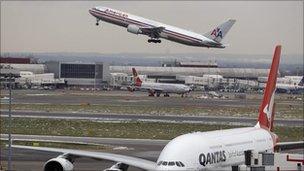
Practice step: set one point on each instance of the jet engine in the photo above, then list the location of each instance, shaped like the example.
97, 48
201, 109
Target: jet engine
133, 29
58, 164
118, 167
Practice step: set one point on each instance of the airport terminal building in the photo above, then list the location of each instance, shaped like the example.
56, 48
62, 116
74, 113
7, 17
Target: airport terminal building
172, 72
55, 74
78, 74
99, 74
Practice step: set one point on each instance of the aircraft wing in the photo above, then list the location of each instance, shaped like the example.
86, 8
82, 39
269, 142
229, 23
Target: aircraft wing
132, 161
289, 145
152, 31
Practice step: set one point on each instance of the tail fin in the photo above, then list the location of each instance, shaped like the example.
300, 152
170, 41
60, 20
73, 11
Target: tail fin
218, 33
301, 83
137, 80
266, 114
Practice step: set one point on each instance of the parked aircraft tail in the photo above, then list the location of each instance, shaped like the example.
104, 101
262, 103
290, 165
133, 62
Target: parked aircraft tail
266, 110
301, 83
218, 33
137, 80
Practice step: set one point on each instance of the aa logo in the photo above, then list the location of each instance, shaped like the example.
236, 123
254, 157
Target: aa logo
217, 33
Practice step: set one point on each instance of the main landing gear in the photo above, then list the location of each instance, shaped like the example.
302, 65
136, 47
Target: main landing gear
154, 41
97, 22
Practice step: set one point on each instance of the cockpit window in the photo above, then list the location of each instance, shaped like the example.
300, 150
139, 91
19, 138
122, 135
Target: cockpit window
182, 164
165, 163
159, 163
171, 164
178, 164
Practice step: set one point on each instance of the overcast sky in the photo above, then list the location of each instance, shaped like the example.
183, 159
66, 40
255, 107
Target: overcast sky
66, 26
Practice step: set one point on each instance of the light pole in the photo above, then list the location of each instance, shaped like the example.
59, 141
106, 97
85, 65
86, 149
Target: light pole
9, 124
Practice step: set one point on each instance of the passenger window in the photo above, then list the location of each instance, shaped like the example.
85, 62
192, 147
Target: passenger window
164, 163
178, 164
171, 164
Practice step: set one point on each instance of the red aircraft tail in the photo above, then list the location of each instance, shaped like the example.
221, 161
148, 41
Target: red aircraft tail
266, 110
137, 80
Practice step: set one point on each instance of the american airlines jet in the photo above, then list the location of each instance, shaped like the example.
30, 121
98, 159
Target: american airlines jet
212, 150
159, 88
156, 30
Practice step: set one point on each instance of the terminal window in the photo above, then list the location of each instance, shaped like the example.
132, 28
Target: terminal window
77, 71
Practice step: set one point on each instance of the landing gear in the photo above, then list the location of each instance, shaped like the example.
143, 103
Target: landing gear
157, 94
166, 95
151, 94
184, 95
97, 22
154, 41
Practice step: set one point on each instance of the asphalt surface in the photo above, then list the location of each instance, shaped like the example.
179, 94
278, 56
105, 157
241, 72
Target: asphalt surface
133, 98
30, 160
150, 118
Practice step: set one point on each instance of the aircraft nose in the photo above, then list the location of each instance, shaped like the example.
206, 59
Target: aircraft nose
91, 11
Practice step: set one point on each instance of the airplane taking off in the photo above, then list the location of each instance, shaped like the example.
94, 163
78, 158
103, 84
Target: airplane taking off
211, 150
156, 30
159, 88
291, 88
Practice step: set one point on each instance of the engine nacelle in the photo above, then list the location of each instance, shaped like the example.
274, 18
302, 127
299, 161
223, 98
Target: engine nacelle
133, 29
118, 167
58, 164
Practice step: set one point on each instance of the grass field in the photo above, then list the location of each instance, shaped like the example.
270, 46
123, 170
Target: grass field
139, 130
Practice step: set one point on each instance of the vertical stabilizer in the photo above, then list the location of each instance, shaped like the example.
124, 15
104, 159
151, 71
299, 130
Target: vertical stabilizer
137, 80
266, 111
301, 83
218, 33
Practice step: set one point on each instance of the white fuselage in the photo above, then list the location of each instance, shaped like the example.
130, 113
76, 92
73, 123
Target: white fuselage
289, 87
165, 87
214, 150
170, 32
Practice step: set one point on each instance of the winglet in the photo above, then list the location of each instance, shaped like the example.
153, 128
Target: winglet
137, 80
266, 114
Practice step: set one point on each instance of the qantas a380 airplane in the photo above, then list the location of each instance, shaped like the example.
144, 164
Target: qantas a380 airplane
212, 150
156, 30
159, 88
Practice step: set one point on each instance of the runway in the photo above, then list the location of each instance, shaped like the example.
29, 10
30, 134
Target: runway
150, 118
134, 98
